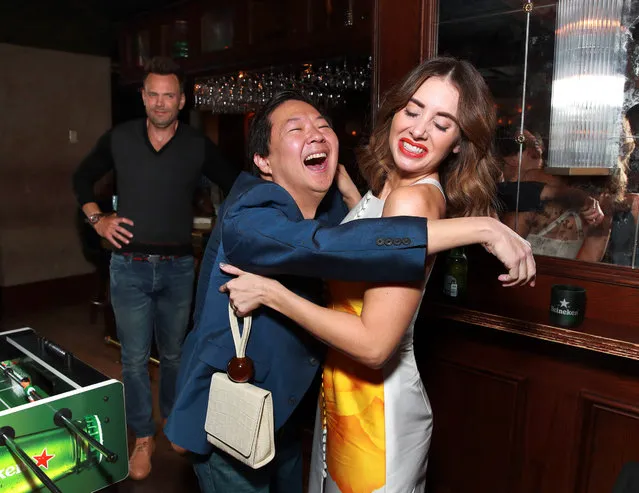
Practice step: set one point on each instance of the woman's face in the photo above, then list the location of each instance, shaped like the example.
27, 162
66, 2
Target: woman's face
426, 129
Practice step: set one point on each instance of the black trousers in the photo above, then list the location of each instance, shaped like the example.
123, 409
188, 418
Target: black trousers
628, 479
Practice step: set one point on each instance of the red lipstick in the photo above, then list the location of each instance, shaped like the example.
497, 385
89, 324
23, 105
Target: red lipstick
409, 153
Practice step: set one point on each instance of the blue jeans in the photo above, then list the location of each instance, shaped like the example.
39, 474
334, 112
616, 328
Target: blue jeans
221, 473
150, 297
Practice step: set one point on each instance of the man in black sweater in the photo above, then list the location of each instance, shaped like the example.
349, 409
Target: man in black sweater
157, 163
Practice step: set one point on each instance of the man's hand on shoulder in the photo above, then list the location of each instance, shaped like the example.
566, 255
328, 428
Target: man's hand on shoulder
110, 227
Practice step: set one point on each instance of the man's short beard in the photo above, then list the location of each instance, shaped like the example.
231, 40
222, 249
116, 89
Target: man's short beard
162, 124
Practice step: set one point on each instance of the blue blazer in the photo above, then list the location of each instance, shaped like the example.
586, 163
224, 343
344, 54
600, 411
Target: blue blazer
261, 230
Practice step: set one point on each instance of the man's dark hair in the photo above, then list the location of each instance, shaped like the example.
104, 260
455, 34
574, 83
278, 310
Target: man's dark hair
160, 65
259, 136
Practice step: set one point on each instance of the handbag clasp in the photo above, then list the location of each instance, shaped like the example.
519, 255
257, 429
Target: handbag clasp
240, 370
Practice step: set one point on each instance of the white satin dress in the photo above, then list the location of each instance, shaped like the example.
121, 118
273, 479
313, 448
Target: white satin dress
373, 426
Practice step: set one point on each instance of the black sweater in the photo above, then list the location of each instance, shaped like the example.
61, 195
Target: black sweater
155, 188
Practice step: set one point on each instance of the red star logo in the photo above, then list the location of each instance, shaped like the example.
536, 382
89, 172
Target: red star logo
43, 459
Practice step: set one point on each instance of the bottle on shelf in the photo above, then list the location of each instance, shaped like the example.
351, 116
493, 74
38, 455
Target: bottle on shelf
455, 278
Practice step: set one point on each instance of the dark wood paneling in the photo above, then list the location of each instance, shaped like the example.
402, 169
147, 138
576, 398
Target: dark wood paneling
609, 438
397, 39
589, 271
572, 412
266, 33
25, 298
404, 34
584, 337
430, 23
267, 22
486, 437
611, 321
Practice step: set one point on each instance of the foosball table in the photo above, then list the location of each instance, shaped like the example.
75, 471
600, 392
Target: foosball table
62, 423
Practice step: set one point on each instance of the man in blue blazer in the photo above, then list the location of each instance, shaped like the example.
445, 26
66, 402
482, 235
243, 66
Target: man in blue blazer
279, 225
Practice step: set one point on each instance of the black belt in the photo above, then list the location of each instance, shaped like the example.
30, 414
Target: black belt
145, 257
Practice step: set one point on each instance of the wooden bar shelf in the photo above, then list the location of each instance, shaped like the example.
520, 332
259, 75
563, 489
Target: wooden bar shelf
581, 337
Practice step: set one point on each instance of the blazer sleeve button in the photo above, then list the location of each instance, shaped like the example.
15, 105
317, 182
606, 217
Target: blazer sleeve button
406, 241
380, 242
388, 242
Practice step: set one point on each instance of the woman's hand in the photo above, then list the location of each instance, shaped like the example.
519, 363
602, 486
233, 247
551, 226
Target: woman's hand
347, 187
247, 291
591, 212
514, 252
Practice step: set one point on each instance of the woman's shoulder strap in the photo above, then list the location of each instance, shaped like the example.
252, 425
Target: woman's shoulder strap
431, 181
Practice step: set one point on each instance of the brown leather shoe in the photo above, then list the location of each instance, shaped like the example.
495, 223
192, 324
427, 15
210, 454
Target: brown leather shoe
140, 461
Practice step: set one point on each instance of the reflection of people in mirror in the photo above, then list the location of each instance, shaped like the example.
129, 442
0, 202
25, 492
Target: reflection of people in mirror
614, 241
559, 223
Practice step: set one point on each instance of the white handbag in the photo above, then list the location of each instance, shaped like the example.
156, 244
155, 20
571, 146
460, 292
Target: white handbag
239, 418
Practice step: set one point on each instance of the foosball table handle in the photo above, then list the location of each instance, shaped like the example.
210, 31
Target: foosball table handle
7, 434
51, 348
63, 418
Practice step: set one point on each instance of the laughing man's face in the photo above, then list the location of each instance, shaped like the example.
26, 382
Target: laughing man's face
303, 150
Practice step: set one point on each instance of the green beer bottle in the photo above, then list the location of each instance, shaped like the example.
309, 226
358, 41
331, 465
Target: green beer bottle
456, 274
57, 452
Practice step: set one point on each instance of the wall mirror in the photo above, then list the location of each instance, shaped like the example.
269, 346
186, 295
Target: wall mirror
564, 75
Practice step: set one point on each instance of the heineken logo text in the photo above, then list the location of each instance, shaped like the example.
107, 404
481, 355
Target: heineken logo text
564, 309
41, 460
559, 311
7, 472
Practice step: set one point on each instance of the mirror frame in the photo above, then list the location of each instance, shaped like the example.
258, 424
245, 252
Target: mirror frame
617, 275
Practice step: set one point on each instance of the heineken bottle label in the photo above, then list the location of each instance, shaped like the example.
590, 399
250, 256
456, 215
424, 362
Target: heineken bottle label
450, 286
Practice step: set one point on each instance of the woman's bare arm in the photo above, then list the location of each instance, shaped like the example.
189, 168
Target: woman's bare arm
387, 310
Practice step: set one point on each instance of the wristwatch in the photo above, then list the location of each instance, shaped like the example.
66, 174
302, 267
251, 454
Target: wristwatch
94, 218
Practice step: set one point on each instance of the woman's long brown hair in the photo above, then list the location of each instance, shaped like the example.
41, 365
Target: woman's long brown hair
470, 176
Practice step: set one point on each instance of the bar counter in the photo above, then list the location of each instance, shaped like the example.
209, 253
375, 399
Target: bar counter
520, 405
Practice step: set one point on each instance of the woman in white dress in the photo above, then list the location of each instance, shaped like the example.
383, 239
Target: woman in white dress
374, 419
